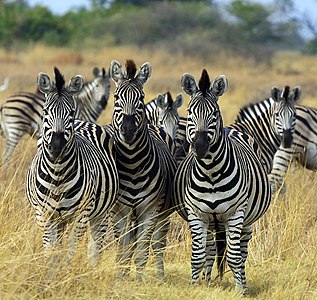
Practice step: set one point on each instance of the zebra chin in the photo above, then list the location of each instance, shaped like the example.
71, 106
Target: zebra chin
287, 138
128, 138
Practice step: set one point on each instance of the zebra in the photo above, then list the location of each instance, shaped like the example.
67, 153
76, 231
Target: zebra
221, 181
162, 112
271, 122
21, 113
303, 149
146, 170
72, 178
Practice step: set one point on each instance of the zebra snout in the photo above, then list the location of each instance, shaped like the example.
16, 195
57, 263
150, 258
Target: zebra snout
287, 138
128, 128
200, 144
57, 144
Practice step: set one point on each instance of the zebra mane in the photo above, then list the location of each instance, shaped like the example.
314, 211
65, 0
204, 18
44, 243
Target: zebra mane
131, 68
204, 82
285, 93
169, 99
59, 81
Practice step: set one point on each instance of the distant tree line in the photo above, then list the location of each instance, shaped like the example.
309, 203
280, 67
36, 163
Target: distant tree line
196, 27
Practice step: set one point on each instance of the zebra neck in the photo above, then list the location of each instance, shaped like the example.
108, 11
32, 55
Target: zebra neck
219, 152
68, 160
139, 148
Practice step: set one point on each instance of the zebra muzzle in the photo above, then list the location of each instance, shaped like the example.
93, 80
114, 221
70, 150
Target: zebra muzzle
128, 128
57, 144
287, 138
200, 144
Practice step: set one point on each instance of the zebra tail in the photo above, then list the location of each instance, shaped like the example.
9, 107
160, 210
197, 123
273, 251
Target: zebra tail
220, 249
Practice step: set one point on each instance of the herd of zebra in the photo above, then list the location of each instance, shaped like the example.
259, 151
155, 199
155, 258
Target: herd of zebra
150, 163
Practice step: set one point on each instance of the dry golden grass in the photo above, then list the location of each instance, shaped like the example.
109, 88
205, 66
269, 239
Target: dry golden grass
282, 263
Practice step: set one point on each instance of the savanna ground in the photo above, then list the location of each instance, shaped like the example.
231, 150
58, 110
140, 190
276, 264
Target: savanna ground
282, 263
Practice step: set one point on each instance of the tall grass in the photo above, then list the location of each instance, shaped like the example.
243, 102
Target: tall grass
282, 261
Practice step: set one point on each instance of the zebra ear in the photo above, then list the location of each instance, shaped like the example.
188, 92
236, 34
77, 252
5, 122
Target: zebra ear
116, 71
188, 84
161, 101
75, 84
178, 101
220, 85
44, 83
297, 93
96, 72
275, 93
144, 73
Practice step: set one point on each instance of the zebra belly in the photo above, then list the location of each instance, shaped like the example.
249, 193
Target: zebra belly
215, 203
309, 158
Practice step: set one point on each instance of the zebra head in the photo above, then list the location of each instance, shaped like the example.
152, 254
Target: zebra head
101, 83
168, 117
284, 113
58, 111
129, 115
204, 121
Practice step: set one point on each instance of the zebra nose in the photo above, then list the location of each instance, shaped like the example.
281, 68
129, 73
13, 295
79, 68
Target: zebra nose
200, 144
57, 144
287, 138
128, 125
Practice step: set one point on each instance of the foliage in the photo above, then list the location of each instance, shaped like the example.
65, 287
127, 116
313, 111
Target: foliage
198, 27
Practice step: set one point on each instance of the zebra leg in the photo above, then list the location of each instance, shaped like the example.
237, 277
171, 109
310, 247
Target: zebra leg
210, 255
198, 231
144, 234
246, 237
79, 228
159, 243
98, 229
125, 235
51, 239
281, 162
234, 257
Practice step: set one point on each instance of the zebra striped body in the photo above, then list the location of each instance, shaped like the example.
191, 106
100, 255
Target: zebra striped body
21, 113
271, 122
72, 178
303, 149
221, 181
145, 165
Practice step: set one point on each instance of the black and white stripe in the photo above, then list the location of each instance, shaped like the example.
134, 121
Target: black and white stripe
145, 165
271, 122
221, 181
303, 149
72, 178
162, 112
21, 113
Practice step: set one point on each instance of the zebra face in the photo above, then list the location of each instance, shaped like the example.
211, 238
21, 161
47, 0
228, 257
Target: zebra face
101, 85
168, 117
204, 121
284, 116
128, 115
58, 112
